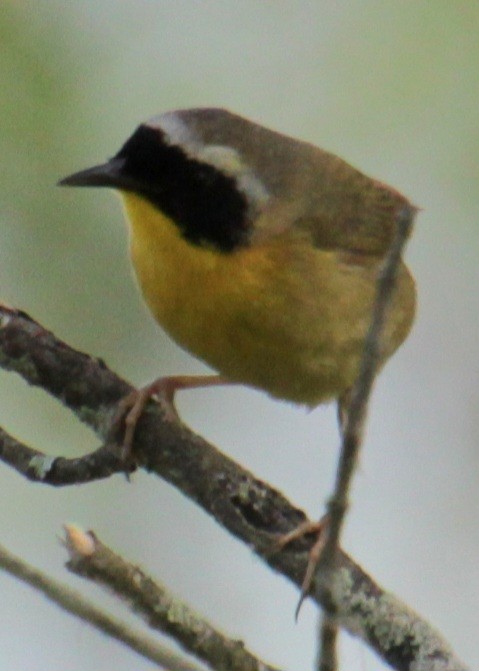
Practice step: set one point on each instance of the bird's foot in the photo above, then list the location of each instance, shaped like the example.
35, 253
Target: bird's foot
132, 406
319, 529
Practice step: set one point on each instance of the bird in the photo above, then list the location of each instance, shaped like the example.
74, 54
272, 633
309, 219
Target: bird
257, 253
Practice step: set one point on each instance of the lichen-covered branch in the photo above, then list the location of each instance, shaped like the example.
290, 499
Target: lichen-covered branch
246, 506
47, 469
77, 605
91, 559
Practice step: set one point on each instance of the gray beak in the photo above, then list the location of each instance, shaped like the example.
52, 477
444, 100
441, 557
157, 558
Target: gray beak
107, 175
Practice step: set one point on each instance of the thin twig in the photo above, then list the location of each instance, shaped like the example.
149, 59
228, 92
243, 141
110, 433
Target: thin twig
91, 559
353, 429
58, 471
76, 605
327, 649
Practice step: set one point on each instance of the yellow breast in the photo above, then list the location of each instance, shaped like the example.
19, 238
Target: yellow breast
279, 315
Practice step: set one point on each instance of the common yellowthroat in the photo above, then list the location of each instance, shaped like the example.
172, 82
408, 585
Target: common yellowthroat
256, 252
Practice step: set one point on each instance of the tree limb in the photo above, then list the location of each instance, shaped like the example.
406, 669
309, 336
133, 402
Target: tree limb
246, 506
90, 558
77, 605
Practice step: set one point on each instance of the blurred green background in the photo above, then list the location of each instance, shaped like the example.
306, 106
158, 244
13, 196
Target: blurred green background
391, 86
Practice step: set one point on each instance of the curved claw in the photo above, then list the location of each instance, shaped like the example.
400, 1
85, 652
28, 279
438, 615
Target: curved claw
307, 527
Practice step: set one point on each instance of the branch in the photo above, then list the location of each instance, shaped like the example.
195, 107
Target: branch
90, 558
352, 433
246, 506
353, 428
328, 637
75, 604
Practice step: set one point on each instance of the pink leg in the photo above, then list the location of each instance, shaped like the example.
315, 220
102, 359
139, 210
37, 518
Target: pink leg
164, 388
